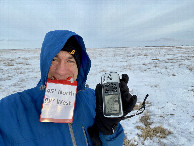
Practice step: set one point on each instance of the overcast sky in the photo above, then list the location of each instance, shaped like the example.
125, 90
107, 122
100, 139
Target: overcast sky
101, 23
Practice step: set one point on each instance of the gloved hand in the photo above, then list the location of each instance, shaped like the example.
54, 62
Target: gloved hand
108, 125
128, 100
102, 124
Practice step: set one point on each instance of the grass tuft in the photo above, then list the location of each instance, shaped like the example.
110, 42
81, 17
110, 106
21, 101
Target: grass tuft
148, 132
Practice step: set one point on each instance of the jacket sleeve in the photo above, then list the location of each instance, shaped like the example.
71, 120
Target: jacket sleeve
1, 140
115, 139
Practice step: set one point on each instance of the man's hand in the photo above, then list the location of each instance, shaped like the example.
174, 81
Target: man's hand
105, 125
108, 125
128, 100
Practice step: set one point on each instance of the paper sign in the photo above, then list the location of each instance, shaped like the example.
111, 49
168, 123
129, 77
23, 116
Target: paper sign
59, 101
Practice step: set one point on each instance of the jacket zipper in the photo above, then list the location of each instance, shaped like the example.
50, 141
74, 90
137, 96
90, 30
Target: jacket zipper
85, 135
72, 134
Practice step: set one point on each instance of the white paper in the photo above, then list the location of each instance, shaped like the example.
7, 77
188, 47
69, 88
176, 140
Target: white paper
59, 101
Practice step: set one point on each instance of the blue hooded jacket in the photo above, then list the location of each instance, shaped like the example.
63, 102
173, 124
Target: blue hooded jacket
20, 112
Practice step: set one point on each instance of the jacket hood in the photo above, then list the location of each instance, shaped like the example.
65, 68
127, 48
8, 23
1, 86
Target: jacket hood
52, 45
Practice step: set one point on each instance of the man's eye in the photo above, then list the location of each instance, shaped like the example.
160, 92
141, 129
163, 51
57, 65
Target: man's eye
54, 59
71, 61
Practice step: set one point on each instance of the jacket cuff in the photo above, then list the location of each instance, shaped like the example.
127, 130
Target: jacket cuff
116, 138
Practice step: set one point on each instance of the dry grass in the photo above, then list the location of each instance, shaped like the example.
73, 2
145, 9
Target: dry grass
128, 142
8, 64
148, 132
173, 74
191, 68
155, 59
144, 120
103, 70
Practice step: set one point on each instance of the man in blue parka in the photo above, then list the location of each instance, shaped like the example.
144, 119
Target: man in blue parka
20, 113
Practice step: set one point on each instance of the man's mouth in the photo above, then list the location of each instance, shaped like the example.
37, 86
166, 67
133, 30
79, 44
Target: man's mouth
52, 78
68, 78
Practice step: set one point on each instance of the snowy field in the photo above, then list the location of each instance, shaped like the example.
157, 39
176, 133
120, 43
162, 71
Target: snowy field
165, 73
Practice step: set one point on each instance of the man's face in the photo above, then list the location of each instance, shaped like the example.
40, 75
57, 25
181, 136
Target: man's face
63, 66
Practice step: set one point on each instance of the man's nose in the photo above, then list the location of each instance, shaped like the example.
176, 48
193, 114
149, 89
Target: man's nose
62, 68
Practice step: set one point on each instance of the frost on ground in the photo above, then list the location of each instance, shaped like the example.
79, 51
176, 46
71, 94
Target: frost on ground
165, 73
